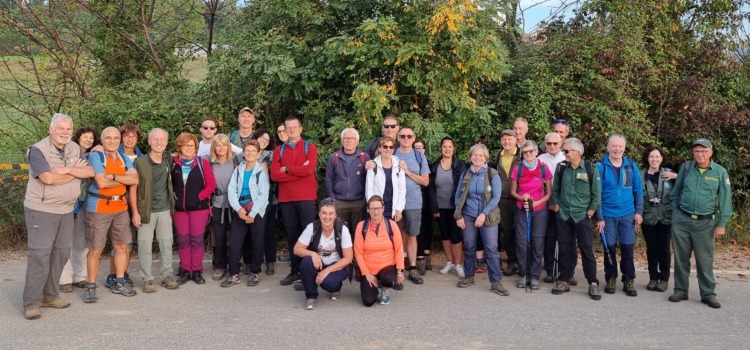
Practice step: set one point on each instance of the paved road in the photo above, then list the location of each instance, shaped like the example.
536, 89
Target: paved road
433, 315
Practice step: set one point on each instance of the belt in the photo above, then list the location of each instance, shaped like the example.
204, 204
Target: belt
700, 217
108, 198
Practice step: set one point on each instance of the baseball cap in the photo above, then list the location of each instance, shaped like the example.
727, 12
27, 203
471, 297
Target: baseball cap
703, 142
508, 132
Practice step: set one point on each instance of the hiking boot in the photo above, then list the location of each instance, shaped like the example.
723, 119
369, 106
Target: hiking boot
651, 285
428, 263
336, 295
270, 269
447, 268
512, 269
290, 279
385, 297
479, 266
183, 277
169, 282
594, 291
231, 280
198, 277
572, 281
629, 288
218, 274
710, 301
32, 313
465, 282
661, 286
310, 304
415, 277
460, 271
610, 287
398, 286
128, 281
89, 296
66, 288
421, 266
56, 303
678, 297
253, 280
561, 287
534, 284
521, 282
80, 284
110, 281
497, 288
548, 279
298, 286
124, 289
149, 287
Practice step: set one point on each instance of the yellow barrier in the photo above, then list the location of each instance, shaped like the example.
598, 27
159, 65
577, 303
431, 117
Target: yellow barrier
16, 178
13, 166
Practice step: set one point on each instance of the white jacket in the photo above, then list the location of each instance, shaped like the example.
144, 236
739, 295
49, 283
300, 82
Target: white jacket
376, 183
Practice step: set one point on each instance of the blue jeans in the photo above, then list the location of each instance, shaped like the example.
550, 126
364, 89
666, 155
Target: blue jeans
491, 255
332, 283
620, 229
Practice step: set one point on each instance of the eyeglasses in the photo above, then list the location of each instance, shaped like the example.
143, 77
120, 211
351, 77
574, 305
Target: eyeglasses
561, 121
701, 151
292, 127
531, 151
376, 208
418, 147
208, 127
387, 147
552, 143
390, 126
405, 137
349, 139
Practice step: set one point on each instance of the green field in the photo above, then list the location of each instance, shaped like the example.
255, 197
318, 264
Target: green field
14, 138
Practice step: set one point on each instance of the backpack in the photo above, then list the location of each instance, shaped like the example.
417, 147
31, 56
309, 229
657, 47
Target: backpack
494, 217
589, 171
336, 159
283, 146
103, 159
631, 165
388, 228
520, 173
338, 229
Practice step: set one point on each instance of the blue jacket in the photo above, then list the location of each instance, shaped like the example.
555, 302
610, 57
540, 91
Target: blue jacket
258, 189
621, 198
476, 189
345, 180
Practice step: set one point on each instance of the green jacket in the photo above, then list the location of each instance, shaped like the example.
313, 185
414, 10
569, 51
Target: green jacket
703, 194
575, 192
146, 185
657, 206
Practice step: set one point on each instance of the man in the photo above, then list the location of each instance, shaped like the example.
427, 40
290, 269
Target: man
208, 130
417, 172
55, 170
246, 119
621, 210
520, 128
293, 167
152, 205
562, 128
107, 213
577, 195
345, 179
552, 158
507, 160
388, 128
702, 206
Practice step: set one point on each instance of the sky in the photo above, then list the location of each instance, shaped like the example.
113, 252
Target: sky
535, 11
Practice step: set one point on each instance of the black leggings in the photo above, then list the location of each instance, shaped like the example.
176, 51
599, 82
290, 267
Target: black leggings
386, 277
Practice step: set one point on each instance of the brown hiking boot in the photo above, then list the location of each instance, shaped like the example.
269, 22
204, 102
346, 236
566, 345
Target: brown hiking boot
32, 313
56, 303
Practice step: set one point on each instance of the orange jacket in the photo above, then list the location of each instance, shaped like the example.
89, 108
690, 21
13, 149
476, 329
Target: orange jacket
377, 251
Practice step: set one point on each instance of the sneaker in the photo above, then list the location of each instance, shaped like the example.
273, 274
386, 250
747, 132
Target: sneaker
460, 271
198, 277
169, 282
651, 285
661, 286
253, 280
128, 281
57, 303
231, 280
594, 291
398, 286
149, 287
447, 268
66, 288
521, 282
572, 281
610, 287
110, 281
415, 277
89, 296
270, 269
336, 295
290, 279
32, 313
421, 266
80, 284
710, 301
534, 284
298, 286
428, 263
678, 297
465, 282
218, 274
629, 288
385, 297
310, 304
479, 266
512, 269
380, 294
183, 277
124, 289
561, 287
549, 279
497, 288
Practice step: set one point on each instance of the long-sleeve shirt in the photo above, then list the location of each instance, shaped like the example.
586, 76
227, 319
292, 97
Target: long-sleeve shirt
377, 251
298, 183
576, 193
704, 193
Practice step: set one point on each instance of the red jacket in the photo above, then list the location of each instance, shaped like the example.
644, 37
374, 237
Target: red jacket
298, 183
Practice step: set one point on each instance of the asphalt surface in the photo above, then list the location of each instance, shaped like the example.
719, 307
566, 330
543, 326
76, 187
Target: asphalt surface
433, 315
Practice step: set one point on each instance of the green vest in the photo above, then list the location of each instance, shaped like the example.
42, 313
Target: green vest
657, 206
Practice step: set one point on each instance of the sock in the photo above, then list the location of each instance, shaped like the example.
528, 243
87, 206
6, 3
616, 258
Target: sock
120, 279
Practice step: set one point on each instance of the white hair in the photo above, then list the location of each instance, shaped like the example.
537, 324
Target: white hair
155, 130
575, 145
59, 117
350, 130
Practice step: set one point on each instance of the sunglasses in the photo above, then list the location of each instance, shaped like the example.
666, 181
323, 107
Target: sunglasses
566, 151
406, 136
387, 147
561, 121
208, 127
552, 143
390, 126
531, 151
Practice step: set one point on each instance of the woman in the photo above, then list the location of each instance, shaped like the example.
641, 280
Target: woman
387, 180
445, 175
325, 247
220, 155
193, 182
248, 196
267, 145
379, 252
477, 213
74, 271
534, 187
657, 217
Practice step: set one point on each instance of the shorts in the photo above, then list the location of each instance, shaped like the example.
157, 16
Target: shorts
101, 225
411, 222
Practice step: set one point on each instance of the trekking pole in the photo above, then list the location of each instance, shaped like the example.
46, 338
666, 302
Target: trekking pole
530, 207
606, 248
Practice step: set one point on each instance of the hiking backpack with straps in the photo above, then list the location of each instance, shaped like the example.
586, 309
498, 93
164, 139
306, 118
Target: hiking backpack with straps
519, 173
283, 146
589, 172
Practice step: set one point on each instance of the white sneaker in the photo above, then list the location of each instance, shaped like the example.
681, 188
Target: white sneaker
460, 271
448, 267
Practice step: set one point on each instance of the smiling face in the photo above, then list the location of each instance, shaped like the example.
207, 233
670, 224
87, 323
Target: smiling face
250, 153
561, 129
246, 119
110, 139
222, 149
570, 155
553, 143
655, 159
478, 159
529, 153
508, 142
158, 141
129, 140
702, 156
350, 142
386, 149
520, 127
61, 133
447, 149
86, 141
281, 132
406, 137
327, 216
375, 209
389, 127
616, 148
187, 150
264, 140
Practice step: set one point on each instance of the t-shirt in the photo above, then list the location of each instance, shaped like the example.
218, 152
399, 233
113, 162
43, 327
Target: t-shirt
531, 183
327, 245
388, 192
161, 192
115, 164
413, 189
204, 149
444, 188
245, 196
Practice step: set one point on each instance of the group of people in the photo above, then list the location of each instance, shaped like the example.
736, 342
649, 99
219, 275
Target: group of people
375, 225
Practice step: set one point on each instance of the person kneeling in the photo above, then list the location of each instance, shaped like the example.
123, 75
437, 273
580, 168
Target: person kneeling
325, 247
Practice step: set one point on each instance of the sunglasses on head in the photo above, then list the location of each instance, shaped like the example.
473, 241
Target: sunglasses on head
389, 126
561, 121
208, 127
